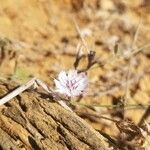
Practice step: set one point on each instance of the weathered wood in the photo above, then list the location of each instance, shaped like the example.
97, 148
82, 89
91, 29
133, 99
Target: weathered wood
33, 121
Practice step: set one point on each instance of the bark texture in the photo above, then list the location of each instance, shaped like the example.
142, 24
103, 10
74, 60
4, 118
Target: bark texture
33, 121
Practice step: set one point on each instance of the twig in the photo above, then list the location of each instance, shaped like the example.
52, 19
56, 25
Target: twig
78, 56
137, 50
130, 64
82, 39
17, 91
111, 140
127, 56
129, 106
145, 116
33, 82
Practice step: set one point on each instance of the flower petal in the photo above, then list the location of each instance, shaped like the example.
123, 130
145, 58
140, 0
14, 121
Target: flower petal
62, 77
72, 74
71, 83
58, 84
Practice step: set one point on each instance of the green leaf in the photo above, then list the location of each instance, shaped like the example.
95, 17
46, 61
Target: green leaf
20, 74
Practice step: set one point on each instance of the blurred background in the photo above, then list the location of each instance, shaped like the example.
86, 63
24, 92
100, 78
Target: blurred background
39, 38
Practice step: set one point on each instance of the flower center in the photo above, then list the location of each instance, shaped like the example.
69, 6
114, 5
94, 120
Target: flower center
71, 84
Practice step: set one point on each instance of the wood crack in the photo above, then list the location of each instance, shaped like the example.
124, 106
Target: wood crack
32, 122
73, 132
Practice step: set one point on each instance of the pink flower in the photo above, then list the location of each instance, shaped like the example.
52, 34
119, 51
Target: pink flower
71, 83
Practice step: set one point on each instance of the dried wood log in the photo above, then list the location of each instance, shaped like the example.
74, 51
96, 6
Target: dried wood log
33, 121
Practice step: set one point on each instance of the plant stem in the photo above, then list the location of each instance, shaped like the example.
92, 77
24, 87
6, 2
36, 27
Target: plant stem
112, 106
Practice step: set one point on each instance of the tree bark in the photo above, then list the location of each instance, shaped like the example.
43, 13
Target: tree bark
33, 121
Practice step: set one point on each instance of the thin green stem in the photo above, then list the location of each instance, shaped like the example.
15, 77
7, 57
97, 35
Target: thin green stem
112, 106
